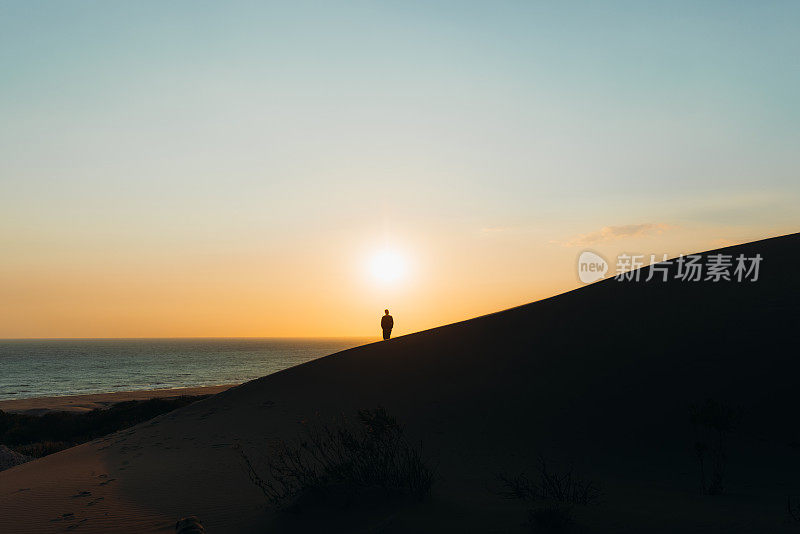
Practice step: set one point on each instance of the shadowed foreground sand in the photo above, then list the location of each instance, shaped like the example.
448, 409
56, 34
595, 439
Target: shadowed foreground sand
601, 377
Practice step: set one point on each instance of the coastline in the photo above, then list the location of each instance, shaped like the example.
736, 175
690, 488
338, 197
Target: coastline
92, 401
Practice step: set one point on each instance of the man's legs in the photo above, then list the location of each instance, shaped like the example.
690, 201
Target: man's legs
386, 333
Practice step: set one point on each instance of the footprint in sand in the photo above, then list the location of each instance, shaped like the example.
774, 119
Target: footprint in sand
106, 482
76, 525
97, 500
82, 494
69, 516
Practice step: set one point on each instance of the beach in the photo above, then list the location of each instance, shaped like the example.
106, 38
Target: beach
86, 403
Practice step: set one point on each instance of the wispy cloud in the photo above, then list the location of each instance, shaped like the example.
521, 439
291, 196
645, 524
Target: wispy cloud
612, 233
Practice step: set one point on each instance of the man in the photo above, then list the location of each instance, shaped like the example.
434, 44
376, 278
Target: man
387, 323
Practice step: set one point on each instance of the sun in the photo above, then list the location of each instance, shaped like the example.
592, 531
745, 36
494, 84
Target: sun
387, 266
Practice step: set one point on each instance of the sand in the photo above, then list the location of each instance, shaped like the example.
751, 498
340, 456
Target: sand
86, 403
600, 378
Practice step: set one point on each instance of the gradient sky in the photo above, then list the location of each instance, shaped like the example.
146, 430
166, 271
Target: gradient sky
228, 169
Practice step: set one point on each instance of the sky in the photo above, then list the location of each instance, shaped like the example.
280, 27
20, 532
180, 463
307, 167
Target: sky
206, 169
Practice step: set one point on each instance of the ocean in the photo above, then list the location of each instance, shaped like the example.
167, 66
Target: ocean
50, 367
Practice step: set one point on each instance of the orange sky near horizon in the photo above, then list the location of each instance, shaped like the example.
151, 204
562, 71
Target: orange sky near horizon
319, 291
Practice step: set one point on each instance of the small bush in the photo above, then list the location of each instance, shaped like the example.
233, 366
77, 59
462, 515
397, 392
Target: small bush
713, 422
345, 462
793, 507
564, 486
517, 486
553, 495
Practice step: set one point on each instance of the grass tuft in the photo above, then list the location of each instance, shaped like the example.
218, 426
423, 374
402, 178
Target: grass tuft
344, 463
552, 495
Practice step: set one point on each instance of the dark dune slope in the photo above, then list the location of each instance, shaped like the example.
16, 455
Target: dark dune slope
602, 376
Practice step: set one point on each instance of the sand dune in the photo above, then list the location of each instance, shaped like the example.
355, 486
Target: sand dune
601, 377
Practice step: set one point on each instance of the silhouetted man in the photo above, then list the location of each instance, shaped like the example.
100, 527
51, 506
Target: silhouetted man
387, 323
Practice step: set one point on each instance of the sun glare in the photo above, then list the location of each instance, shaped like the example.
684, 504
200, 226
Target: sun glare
387, 266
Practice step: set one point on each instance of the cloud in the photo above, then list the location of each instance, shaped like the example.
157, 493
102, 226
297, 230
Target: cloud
612, 233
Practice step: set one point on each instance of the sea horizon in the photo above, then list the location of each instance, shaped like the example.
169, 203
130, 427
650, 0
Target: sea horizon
55, 367
3, 339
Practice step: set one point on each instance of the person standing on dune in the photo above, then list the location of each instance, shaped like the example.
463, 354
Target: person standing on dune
387, 323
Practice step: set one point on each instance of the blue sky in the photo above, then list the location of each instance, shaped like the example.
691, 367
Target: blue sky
160, 131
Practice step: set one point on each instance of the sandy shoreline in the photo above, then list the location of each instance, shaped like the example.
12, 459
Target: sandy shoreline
85, 403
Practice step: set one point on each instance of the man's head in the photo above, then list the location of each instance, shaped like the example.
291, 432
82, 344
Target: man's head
387, 312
